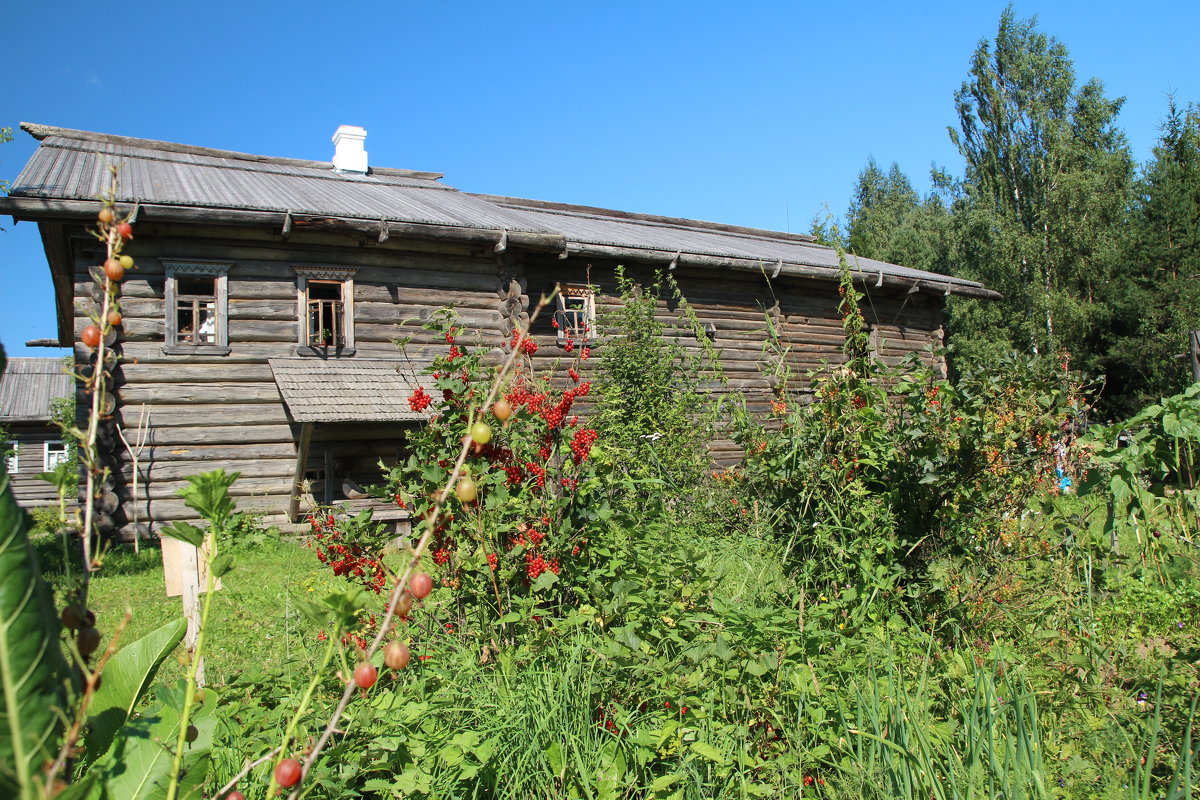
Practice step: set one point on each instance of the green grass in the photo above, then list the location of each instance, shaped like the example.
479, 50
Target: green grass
256, 627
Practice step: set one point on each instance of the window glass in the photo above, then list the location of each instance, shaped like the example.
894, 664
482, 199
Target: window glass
56, 453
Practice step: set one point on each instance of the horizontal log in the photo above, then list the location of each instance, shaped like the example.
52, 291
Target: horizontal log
223, 434
181, 372
182, 415
159, 454
161, 471
207, 393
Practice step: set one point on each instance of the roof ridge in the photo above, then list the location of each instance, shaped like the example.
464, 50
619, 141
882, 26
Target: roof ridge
654, 219
41, 132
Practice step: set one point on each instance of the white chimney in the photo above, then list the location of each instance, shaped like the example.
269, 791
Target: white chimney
348, 152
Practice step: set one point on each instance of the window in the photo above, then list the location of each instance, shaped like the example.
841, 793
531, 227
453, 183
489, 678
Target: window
325, 297
53, 454
576, 315
197, 303
13, 460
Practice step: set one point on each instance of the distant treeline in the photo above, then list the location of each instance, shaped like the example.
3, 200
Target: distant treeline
1098, 260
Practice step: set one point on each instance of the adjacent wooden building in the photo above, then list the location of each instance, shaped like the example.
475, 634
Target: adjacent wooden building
28, 389
259, 323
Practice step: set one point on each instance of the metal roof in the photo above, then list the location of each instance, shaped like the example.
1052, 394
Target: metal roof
71, 166
619, 229
29, 384
346, 391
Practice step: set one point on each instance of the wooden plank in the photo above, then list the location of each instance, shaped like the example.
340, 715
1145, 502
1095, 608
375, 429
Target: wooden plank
206, 393
223, 434
302, 446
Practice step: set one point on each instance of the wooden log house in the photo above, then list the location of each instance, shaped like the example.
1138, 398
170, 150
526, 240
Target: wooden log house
259, 324
28, 389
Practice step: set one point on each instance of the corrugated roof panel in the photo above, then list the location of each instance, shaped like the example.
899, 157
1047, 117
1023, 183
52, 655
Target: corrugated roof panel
29, 384
70, 168
69, 165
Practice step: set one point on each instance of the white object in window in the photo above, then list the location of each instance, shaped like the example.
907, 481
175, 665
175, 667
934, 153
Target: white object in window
53, 454
197, 306
576, 315
13, 462
325, 306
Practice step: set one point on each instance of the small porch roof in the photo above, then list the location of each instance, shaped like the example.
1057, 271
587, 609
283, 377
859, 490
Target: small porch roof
347, 391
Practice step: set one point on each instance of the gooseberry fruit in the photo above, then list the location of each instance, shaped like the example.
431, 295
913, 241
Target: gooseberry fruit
502, 410
90, 336
287, 774
192, 733
105, 215
114, 318
113, 269
404, 604
466, 489
396, 655
87, 640
125, 230
126, 262
481, 433
365, 676
420, 585
235, 795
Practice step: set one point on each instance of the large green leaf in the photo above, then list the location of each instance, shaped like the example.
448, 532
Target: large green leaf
126, 678
138, 765
33, 672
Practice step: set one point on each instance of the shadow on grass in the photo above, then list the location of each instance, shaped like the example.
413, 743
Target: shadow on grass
57, 551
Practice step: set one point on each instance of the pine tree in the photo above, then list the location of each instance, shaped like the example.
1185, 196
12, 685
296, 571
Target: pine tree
888, 221
1159, 297
1043, 198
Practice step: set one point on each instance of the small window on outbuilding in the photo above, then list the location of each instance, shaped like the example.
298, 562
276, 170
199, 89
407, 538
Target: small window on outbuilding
54, 453
325, 297
12, 461
197, 303
576, 315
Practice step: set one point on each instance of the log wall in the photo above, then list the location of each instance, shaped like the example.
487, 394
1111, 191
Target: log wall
208, 411
29, 490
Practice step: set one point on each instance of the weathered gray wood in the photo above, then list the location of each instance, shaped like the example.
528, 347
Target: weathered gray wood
221, 434
207, 393
302, 447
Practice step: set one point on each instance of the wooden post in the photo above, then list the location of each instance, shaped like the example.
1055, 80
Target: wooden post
185, 571
301, 465
1194, 354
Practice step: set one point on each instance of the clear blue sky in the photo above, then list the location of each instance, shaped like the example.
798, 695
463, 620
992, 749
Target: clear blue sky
754, 113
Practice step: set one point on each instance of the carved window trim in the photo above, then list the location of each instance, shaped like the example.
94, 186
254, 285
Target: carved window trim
324, 275
219, 271
575, 317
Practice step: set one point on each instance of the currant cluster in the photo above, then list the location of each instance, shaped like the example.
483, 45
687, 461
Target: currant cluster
419, 400
347, 559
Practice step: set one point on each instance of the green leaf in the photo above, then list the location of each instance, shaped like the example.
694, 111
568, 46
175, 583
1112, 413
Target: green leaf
208, 495
184, 532
33, 672
126, 678
138, 766
708, 751
665, 781
222, 564
544, 582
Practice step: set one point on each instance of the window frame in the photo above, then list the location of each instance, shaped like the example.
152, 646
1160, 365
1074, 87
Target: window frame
65, 454
324, 275
573, 292
12, 462
219, 272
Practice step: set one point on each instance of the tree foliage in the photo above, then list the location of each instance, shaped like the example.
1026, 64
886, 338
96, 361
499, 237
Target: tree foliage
1158, 300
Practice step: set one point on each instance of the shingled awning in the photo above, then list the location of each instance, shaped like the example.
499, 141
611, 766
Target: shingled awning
347, 391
